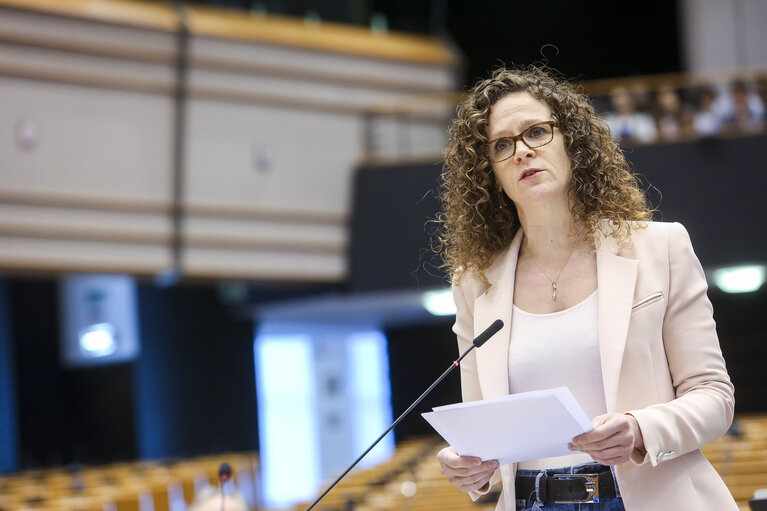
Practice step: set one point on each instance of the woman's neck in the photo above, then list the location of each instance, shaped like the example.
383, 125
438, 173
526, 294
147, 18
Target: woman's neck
548, 233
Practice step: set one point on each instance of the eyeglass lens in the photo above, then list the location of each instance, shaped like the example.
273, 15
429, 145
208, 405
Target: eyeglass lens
534, 136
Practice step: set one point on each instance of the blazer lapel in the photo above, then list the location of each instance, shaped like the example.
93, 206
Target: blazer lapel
493, 356
616, 278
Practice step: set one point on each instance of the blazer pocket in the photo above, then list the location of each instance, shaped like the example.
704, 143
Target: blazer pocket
647, 301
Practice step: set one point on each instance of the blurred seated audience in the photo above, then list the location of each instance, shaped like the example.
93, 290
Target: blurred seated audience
736, 109
626, 123
760, 84
744, 113
669, 116
643, 99
706, 122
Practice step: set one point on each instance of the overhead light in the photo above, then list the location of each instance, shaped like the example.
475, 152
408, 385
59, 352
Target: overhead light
98, 340
740, 279
439, 303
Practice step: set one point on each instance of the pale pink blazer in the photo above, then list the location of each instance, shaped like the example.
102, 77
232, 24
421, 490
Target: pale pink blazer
661, 361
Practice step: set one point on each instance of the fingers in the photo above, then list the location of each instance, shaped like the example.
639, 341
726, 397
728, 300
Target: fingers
465, 472
452, 459
610, 443
620, 452
619, 439
474, 481
614, 457
604, 426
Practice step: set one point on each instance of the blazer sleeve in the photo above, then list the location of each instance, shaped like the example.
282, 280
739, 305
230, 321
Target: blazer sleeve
464, 330
703, 408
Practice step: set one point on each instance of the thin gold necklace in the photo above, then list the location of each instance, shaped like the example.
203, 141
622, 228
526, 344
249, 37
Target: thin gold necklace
554, 281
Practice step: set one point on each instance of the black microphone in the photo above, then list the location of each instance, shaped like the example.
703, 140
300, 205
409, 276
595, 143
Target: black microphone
224, 474
476, 343
487, 334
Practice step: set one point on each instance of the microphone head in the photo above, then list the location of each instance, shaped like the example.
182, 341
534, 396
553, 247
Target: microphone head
488, 333
225, 472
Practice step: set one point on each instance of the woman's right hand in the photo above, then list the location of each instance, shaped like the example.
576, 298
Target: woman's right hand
467, 473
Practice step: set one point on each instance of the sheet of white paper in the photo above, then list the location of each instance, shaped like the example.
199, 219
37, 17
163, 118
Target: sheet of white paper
517, 427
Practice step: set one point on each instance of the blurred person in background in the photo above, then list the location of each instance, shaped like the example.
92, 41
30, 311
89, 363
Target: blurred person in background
746, 111
669, 116
706, 122
627, 124
545, 227
209, 499
641, 96
760, 84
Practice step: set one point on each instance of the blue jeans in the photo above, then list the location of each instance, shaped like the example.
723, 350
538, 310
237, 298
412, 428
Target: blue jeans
606, 503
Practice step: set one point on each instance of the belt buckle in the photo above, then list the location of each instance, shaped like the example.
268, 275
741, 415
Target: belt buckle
592, 487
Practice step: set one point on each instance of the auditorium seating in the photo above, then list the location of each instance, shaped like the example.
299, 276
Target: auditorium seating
741, 458
411, 480
132, 486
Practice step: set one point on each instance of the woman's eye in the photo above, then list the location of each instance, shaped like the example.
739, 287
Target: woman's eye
536, 132
501, 145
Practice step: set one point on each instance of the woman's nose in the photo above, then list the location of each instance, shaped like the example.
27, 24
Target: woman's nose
522, 152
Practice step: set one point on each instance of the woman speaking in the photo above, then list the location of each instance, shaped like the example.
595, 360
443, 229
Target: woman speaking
545, 227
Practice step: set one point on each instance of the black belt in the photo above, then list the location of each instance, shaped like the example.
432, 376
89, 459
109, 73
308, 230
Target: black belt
586, 487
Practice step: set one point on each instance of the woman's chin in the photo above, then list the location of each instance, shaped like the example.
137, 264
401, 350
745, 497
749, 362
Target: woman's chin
542, 195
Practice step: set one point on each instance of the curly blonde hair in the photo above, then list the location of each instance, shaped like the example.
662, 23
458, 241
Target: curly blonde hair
478, 220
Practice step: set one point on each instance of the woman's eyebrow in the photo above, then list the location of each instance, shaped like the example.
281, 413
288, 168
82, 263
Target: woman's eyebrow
526, 123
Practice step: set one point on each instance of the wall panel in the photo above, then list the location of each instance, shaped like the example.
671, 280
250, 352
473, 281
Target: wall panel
271, 129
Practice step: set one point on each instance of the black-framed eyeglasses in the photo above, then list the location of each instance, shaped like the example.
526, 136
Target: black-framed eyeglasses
534, 136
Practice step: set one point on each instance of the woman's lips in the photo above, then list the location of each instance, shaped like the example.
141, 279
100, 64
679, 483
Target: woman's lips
530, 173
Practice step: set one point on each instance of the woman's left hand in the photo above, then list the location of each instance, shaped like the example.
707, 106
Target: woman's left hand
612, 440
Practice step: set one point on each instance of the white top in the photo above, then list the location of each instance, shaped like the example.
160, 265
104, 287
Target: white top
558, 349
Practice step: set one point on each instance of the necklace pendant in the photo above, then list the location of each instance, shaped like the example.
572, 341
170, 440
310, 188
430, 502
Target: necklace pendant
553, 291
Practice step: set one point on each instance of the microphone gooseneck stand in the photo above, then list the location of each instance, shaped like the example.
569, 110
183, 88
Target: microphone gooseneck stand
476, 343
224, 474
